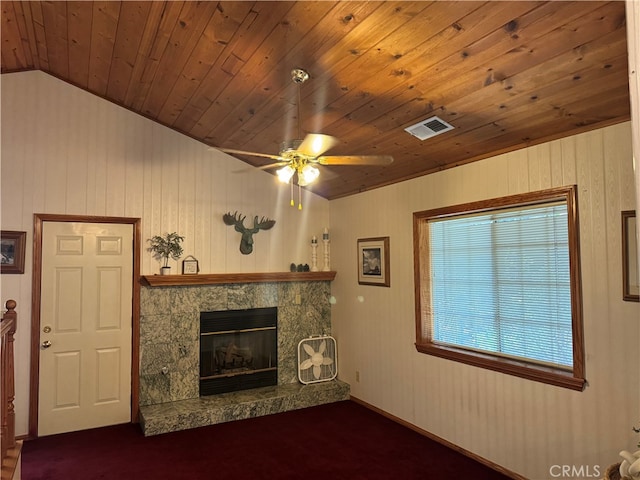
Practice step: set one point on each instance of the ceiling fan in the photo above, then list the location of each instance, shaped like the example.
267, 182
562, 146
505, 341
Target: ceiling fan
300, 156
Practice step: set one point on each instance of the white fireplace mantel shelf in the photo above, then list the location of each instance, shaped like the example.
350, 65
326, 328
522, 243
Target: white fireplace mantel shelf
227, 278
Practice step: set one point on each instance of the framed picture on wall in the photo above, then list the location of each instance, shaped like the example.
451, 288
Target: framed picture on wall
373, 261
630, 276
12, 246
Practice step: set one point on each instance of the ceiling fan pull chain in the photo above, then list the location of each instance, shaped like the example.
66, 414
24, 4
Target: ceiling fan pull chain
292, 202
299, 197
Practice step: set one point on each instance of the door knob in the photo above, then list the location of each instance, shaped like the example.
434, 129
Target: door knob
46, 344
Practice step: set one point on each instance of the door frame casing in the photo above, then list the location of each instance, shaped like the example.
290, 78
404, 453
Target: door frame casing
34, 380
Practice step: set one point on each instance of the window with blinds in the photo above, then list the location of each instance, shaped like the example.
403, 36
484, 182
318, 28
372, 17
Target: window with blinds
498, 285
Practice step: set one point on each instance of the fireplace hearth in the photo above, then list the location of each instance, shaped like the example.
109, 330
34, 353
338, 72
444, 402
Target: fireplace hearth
238, 350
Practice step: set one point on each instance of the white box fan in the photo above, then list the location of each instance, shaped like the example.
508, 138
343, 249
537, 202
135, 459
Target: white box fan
317, 359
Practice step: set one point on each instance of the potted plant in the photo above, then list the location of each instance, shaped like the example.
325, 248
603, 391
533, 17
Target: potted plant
629, 468
165, 247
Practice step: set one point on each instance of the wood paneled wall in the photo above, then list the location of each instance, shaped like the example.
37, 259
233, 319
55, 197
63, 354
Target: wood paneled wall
65, 151
524, 426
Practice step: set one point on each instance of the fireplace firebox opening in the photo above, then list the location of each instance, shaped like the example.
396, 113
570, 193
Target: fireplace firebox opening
238, 350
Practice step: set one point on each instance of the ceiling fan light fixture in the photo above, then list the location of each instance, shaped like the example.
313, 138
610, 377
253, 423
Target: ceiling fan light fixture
308, 174
285, 173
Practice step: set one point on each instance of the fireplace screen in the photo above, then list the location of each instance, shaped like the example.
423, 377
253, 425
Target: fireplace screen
238, 350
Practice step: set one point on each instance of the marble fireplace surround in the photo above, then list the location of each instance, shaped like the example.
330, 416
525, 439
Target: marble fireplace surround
169, 345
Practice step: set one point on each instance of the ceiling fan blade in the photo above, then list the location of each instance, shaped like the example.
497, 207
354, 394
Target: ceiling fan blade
315, 144
253, 154
380, 160
273, 165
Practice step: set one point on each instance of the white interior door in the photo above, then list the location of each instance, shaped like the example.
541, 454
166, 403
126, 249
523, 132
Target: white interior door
85, 326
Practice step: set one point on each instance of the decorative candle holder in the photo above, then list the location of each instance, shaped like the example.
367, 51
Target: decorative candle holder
325, 240
314, 254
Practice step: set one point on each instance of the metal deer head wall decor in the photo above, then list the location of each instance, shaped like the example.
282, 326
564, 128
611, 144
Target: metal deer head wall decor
237, 220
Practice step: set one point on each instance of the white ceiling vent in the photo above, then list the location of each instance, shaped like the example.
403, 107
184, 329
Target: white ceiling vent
429, 128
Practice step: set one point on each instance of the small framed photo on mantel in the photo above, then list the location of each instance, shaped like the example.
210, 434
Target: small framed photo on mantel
190, 266
373, 262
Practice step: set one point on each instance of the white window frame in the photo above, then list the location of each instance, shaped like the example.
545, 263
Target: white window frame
572, 377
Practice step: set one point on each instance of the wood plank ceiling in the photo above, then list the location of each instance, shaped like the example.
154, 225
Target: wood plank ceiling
505, 74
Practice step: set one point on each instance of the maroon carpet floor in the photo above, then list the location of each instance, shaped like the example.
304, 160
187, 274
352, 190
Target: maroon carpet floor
342, 440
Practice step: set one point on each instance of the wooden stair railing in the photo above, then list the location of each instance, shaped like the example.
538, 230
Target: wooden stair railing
7, 384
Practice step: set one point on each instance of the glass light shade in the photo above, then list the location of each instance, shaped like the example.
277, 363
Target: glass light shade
308, 174
285, 173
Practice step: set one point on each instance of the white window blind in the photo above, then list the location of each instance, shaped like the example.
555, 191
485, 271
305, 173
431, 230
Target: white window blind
500, 283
